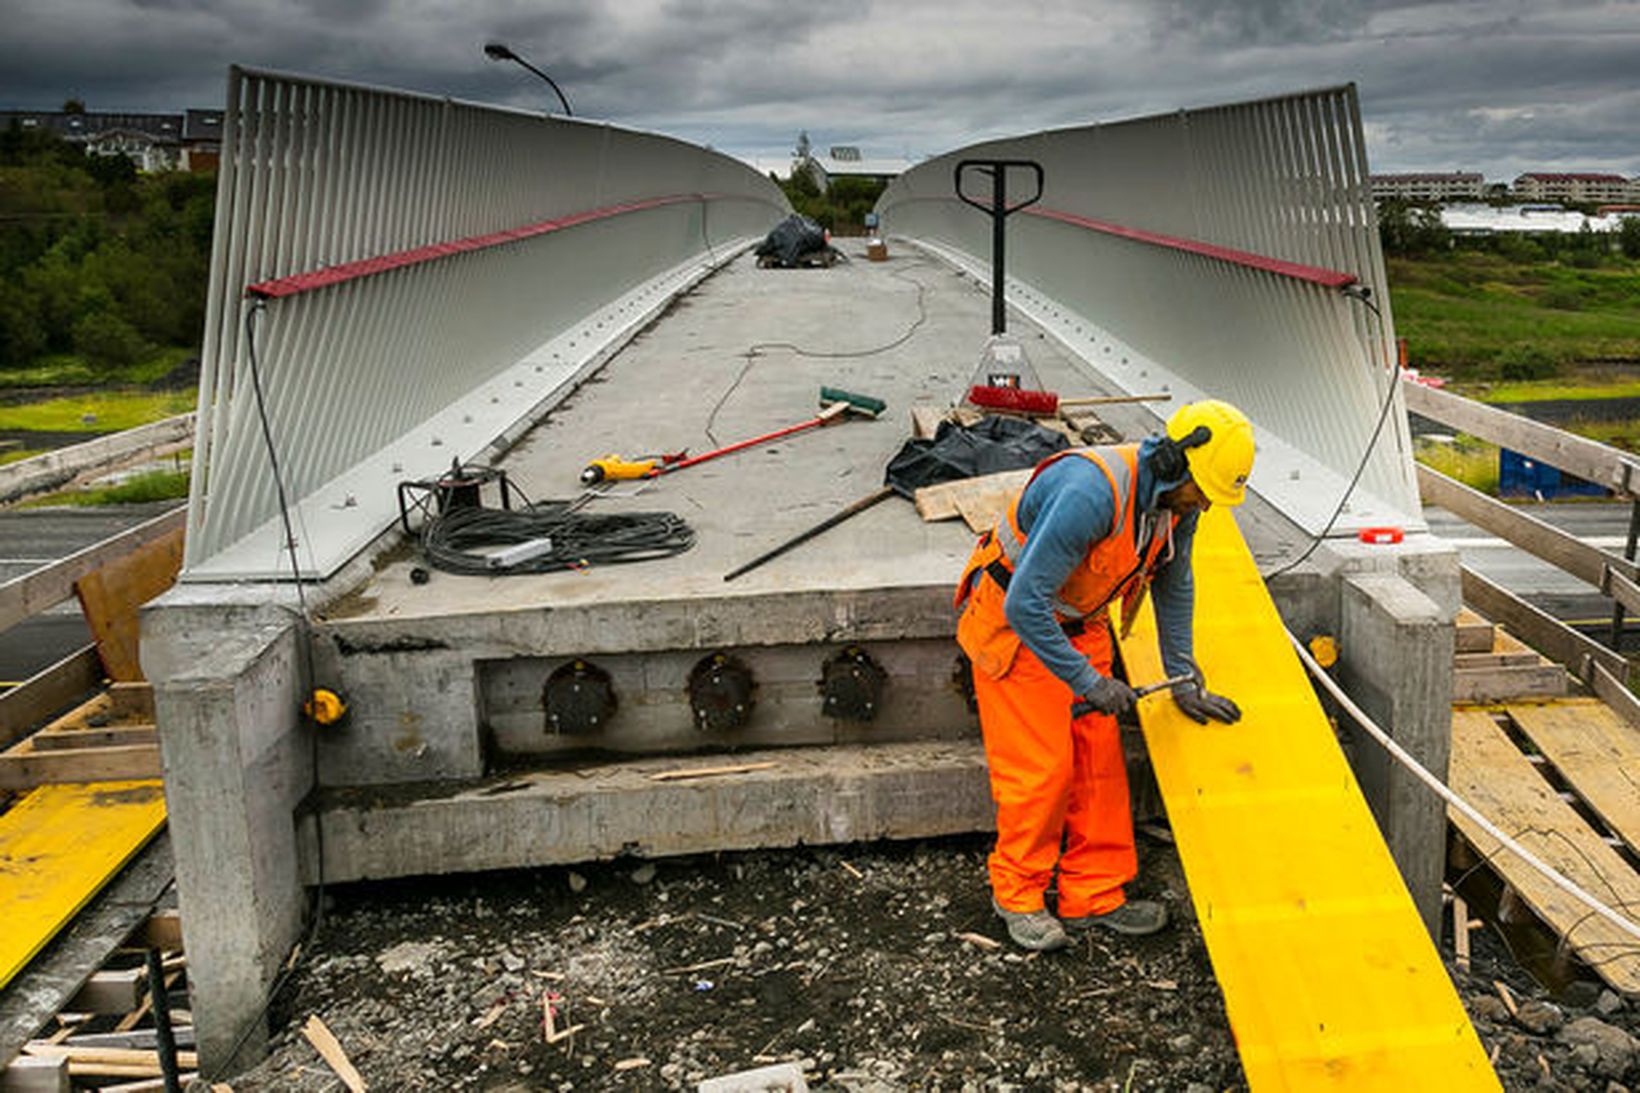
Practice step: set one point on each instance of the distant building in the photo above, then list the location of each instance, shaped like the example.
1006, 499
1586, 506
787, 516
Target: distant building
154, 142
1430, 186
846, 161
1531, 219
1579, 188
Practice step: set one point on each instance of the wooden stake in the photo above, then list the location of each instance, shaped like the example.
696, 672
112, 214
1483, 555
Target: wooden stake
329, 1049
707, 772
1508, 999
1460, 931
188, 1060
980, 939
702, 966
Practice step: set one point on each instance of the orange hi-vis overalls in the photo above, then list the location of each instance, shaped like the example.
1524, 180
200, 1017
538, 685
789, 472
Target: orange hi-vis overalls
1060, 785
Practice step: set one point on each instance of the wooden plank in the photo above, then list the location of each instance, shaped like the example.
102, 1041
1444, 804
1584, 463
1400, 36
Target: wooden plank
50, 585
34, 1074
1621, 589
1483, 686
1585, 458
925, 421
1615, 694
79, 739
131, 701
939, 501
111, 595
62, 844
1474, 632
708, 772
94, 712
1494, 660
161, 930
77, 1053
47, 693
24, 767
1564, 551
325, 1043
1597, 752
110, 992
45, 986
1490, 773
1545, 633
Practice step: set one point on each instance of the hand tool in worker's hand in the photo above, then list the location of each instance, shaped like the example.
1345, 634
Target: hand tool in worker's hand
1082, 707
835, 403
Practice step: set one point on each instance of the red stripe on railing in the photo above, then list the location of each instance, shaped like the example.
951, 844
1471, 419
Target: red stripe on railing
369, 267
1328, 278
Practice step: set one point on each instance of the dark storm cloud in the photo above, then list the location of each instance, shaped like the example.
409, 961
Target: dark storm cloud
1493, 85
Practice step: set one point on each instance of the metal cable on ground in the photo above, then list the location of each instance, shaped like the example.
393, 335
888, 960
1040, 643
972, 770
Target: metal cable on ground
569, 539
755, 351
1400, 755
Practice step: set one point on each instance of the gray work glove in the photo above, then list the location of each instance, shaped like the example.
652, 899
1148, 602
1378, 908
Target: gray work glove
1109, 695
1199, 704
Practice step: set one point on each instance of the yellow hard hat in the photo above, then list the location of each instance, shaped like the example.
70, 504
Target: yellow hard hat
1220, 464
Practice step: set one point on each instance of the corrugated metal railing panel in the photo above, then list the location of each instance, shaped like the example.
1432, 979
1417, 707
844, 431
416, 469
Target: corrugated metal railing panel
392, 372
1284, 179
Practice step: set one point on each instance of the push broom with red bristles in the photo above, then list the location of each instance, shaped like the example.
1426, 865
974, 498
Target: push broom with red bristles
1020, 400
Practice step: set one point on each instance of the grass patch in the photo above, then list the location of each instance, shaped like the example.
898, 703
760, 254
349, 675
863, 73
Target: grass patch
101, 412
139, 489
68, 370
1618, 434
17, 455
1468, 314
1466, 458
1544, 390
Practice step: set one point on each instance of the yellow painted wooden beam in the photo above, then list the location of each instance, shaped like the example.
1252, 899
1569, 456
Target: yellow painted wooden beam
58, 846
1329, 978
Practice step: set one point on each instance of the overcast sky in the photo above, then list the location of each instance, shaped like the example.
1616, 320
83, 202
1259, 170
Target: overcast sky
1496, 86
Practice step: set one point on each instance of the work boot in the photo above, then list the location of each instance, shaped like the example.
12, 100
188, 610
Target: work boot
1038, 931
1135, 918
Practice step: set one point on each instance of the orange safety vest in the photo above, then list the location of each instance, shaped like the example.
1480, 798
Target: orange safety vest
1119, 565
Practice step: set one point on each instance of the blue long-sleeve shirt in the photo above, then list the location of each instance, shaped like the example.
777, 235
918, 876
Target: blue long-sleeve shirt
1063, 512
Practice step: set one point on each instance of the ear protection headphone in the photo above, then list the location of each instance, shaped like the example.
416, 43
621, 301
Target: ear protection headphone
1168, 459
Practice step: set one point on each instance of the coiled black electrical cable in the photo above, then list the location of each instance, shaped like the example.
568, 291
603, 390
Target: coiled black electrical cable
452, 541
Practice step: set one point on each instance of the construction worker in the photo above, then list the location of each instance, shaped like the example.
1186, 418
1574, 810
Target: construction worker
1093, 525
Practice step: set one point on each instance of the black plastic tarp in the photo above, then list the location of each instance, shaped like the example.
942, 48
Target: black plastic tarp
792, 239
989, 446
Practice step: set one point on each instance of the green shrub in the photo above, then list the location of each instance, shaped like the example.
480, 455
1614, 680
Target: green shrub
108, 341
1524, 361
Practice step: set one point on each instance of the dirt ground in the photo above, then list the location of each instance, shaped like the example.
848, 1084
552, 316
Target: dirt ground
873, 968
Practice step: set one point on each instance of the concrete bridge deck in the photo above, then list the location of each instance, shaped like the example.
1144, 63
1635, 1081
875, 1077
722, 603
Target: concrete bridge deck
719, 367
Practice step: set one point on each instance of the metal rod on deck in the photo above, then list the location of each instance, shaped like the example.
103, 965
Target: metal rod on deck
160, 1003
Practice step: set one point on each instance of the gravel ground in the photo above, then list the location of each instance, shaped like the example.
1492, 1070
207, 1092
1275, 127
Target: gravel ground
873, 968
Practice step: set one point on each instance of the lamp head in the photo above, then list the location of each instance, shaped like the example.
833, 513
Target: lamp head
497, 51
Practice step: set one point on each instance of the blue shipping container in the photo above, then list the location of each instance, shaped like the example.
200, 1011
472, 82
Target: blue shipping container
1519, 476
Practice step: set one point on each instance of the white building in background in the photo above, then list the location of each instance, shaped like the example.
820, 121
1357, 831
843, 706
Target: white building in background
154, 142
1576, 187
1490, 220
1430, 186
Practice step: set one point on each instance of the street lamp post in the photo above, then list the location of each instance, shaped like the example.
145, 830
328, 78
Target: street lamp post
498, 51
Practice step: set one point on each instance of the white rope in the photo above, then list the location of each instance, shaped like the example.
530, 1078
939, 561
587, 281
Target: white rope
1401, 756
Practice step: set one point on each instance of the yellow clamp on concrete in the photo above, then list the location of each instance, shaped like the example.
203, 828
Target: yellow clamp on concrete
1324, 648
325, 707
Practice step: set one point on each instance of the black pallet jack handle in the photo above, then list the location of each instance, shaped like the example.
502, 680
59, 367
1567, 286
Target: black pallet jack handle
1000, 210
